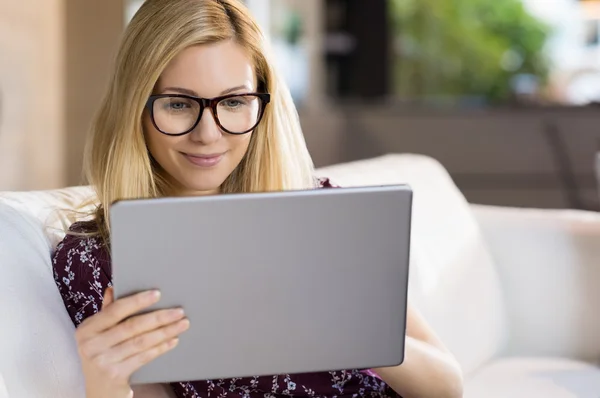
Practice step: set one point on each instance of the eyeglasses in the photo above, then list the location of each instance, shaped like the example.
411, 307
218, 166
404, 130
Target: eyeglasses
175, 114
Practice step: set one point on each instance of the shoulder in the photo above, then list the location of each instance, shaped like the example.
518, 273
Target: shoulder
82, 271
81, 238
81, 246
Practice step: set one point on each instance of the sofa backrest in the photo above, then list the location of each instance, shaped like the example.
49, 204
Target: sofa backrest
53, 209
3, 391
453, 280
39, 357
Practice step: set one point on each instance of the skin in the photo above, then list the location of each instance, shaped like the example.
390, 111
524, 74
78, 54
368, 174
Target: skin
113, 345
429, 369
203, 71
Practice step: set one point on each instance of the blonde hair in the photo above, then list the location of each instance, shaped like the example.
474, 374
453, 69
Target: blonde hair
117, 163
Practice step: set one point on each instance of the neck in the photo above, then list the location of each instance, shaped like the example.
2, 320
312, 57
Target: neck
198, 193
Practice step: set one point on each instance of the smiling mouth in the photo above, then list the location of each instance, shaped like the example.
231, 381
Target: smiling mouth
204, 160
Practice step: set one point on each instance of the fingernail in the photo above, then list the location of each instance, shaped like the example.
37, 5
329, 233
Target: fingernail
184, 324
176, 313
153, 295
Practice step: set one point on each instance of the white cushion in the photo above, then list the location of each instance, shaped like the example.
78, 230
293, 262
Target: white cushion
39, 357
453, 281
53, 209
535, 377
549, 263
3, 391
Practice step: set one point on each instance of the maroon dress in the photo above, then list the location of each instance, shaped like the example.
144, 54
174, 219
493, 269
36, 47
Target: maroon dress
82, 271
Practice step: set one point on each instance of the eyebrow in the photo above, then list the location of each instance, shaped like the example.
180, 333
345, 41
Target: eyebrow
192, 93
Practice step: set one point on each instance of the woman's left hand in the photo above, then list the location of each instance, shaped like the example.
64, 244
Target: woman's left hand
428, 370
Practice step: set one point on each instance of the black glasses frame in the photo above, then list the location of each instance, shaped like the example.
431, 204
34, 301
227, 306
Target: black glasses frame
210, 103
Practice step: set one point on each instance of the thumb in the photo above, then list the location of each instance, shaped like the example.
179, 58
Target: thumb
109, 297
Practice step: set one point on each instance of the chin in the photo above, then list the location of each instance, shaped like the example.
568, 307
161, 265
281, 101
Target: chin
201, 186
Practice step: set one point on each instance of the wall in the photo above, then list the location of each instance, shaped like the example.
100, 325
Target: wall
93, 32
514, 157
54, 63
32, 94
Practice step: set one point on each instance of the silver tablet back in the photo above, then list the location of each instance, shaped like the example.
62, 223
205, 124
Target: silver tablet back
273, 283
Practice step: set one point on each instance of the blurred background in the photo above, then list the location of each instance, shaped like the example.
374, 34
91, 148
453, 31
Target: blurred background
504, 93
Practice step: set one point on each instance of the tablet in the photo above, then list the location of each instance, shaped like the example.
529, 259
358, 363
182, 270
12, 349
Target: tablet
272, 283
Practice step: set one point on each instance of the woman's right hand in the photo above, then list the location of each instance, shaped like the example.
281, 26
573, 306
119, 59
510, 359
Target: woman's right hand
113, 345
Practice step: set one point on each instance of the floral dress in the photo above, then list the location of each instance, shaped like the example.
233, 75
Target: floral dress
82, 271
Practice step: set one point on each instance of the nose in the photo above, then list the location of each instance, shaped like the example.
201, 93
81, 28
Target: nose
207, 131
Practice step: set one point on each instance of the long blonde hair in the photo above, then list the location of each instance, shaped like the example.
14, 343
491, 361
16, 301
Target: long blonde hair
117, 163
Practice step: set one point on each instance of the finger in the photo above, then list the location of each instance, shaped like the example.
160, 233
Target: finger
117, 311
132, 364
146, 341
109, 297
134, 326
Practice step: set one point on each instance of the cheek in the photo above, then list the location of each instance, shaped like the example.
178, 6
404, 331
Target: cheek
148, 132
239, 144
156, 142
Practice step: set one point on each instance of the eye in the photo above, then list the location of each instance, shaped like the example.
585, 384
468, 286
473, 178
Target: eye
234, 102
177, 105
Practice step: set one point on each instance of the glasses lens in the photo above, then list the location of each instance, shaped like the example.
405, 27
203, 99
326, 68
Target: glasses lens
175, 115
239, 114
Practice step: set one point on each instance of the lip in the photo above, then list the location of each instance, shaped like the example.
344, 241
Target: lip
204, 160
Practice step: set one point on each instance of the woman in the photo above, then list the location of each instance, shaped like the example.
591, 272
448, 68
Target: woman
195, 108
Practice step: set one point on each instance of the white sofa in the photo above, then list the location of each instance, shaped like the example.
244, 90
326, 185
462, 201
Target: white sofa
512, 292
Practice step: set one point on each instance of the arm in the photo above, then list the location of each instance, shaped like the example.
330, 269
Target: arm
82, 274
82, 270
429, 369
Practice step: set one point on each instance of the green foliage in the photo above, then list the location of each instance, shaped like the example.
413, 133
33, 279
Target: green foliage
292, 30
466, 47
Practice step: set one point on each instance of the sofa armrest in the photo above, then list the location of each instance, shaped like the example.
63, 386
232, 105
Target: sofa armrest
549, 266
3, 390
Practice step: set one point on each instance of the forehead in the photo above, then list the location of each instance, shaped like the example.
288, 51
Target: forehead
209, 69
